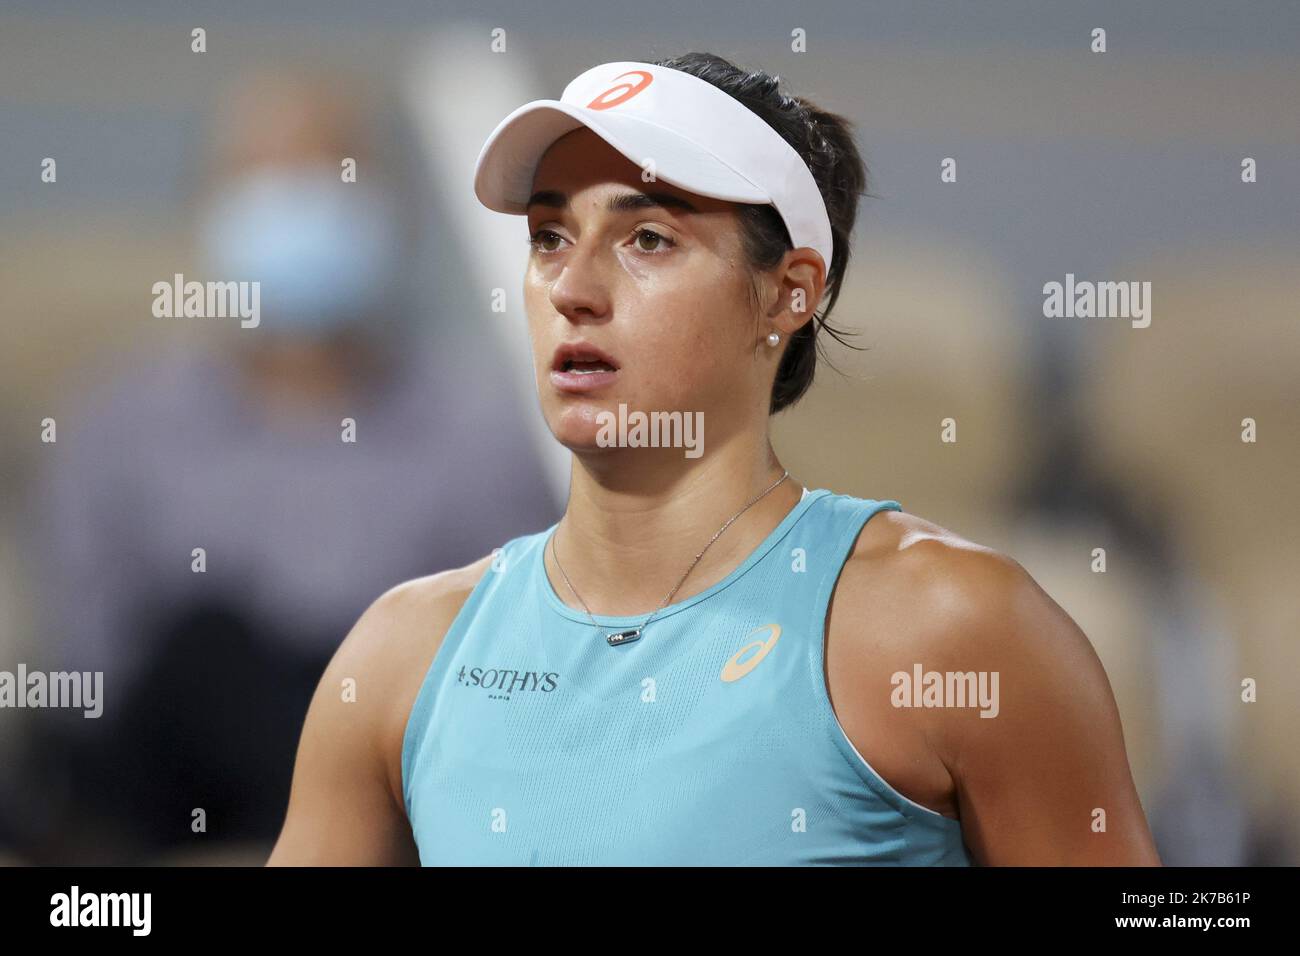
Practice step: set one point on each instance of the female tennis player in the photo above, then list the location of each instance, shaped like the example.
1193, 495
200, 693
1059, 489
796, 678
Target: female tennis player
704, 662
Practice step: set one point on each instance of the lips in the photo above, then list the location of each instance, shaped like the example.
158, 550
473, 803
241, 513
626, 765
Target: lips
583, 358
582, 367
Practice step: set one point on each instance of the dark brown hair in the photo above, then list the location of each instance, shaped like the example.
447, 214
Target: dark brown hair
825, 141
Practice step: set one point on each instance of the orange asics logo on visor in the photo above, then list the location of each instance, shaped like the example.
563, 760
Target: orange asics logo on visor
622, 92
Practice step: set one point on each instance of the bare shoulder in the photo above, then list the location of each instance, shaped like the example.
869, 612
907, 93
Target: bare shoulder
912, 541
393, 643
956, 592
346, 804
914, 592
409, 619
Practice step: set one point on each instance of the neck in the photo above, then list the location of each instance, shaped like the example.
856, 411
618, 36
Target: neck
637, 517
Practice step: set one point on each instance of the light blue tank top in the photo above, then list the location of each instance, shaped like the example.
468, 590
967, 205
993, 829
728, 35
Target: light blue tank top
708, 741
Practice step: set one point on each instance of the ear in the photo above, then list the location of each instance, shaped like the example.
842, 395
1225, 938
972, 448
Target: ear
801, 279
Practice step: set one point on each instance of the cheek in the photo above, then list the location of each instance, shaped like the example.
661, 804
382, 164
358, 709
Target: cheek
540, 331
692, 352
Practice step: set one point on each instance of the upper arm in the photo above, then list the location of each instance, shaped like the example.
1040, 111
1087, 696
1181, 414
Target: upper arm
1046, 780
345, 802
341, 810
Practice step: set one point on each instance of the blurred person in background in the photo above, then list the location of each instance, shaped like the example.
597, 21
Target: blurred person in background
237, 449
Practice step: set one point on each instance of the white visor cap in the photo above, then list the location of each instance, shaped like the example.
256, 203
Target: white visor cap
696, 137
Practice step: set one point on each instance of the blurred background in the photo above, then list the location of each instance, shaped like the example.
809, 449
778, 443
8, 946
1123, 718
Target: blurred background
179, 433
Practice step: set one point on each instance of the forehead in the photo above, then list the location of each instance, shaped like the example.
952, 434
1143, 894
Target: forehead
581, 160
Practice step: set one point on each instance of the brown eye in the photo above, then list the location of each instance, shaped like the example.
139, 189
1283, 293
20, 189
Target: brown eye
661, 242
541, 236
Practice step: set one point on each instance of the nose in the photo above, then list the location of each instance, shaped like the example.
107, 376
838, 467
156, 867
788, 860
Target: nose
580, 292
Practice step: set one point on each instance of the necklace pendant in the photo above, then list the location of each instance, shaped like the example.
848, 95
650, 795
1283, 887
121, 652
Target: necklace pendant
623, 637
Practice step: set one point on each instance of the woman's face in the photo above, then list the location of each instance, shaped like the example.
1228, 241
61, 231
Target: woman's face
653, 278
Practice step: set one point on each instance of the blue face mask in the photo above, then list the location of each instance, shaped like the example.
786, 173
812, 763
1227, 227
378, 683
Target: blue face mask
322, 249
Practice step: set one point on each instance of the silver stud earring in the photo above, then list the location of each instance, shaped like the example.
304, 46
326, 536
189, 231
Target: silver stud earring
774, 339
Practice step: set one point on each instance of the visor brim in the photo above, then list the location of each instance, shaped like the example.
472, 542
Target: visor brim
507, 164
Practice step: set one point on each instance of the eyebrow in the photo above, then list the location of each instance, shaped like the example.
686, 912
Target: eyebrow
624, 202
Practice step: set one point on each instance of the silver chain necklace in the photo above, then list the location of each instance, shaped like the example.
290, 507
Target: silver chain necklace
627, 637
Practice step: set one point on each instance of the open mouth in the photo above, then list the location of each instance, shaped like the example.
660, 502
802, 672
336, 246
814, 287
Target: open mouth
582, 367
582, 358
585, 367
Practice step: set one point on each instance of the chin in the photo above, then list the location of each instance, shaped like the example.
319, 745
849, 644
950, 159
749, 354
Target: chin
575, 425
